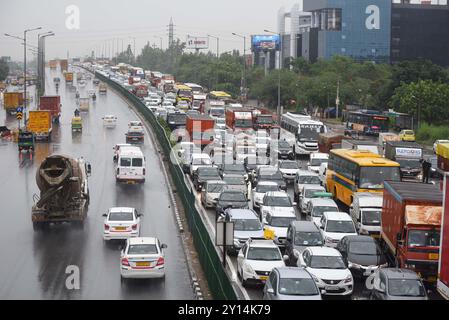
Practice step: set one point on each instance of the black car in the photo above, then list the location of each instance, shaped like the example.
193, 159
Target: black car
285, 150
204, 174
362, 254
434, 172
231, 199
270, 174
234, 169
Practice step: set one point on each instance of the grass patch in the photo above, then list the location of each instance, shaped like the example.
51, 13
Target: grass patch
427, 134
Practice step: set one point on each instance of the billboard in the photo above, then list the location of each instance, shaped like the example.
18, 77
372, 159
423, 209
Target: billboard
265, 42
197, 42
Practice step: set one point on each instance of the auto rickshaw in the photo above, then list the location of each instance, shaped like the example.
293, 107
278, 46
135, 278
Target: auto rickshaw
77, 124
26, 143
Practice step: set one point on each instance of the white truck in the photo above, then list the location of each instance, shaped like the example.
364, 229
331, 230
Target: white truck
366, 212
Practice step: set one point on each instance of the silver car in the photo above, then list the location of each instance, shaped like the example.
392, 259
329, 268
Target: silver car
236, 183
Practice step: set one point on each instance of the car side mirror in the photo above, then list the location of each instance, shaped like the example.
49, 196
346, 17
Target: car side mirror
104, 215
140, 214
285, 257
240, 255
271, 291
295, 204
163, 246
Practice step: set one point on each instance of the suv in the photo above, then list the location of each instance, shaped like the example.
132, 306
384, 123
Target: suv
260, 190
310, 192
334, 226
269, 173
277, 224
288, 168
316, 160
230, 199
199, 160
276, 201
397, 284
318, 206
304, 177
256, 259
211, 191
204, 174
300, 235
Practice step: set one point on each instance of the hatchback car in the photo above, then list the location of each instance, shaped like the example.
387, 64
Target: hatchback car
109, 121
256, 259
328, 269
211, 191
397, 284
121, 223
230, 199
407, 135
276, 202
316, 160
204, 174
260, 190
236, 183
334, 226
310, 192
300, 235
318, 206
269, 173
288, 283
285, 150
143, 258
289, 169
302, 178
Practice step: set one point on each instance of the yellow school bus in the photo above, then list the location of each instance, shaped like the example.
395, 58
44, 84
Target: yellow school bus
351, 171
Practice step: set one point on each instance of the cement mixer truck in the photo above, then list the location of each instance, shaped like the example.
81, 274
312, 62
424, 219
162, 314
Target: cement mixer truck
64, 192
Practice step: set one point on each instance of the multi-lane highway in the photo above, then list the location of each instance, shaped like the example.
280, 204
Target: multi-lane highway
34, 263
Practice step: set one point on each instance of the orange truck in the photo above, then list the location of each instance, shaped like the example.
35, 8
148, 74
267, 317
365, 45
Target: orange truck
64, 64
410, 226
40, 123
52, 104
68, 77
200, 129
12, 100
53, 64
239, 118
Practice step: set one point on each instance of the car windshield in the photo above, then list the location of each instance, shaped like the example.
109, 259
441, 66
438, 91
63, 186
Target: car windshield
271, 176
261, 188
233, 197
278, 201
247, 225
207, 172
234, 180
371, 217
264, 120
327, 262
297, 287
406, 288
363, 248
142, 249
201, 161
283, 145
280, 222
409, 163
264, 254
308, 239
217, 112
310, 193
309, 180
318, 162
374, 177
215, 187
338, 226
318, 211
243, 123
234, 168
121, 216
289, 165
125, 162
423, 238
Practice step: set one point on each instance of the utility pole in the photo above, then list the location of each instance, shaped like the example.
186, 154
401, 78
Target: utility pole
218, 44
243, 89
278, 110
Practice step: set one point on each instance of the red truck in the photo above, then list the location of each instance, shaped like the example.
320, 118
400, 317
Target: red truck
52, 104
263, 119
200, 129
410, 226
239, 118
140, 90
443, 265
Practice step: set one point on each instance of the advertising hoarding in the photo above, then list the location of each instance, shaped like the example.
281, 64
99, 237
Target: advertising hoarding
265, 42
197, 42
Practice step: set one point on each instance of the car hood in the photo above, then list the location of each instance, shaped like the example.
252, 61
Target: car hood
291, 297
248, 234
236, 187
206, 178
338, 236
366, 260
289, 171
233, 204
330, 274
265, 265
279, 210
280, 232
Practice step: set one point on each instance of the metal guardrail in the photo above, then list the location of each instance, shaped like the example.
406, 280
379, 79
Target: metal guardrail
217, 278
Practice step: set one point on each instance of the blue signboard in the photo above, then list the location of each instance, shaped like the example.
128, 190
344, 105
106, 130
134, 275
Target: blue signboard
265, 42
19, 109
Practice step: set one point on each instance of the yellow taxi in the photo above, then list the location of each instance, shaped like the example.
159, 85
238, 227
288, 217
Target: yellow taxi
407, 135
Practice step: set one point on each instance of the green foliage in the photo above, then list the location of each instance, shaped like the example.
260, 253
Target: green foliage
4, 69
429, 133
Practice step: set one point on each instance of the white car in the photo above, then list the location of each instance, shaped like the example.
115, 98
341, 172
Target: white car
437, 142
289, 169
121, 223
322, 173
318, 206
260, 190
256, 259
316, 160
143, 258
276, 202
135, 123
334, 226
308, 192
109, 121
167, 104
199, 160
183, 105
328, 269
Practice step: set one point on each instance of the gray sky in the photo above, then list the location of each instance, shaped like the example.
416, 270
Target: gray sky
102, 20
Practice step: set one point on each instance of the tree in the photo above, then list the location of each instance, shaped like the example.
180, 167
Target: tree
4, 69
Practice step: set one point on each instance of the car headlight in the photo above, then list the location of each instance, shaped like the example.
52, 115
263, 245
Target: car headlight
410, 266
363, 231
353, 265
248, 269
315, 278
385, 265
348, 279
328, 240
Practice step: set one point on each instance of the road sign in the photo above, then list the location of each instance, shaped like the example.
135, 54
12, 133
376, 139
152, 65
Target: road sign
19, 115
19, 109
222, 239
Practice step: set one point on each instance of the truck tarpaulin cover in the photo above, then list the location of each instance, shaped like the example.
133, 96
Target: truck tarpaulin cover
442, 150
419, 215
409, 153
443, 269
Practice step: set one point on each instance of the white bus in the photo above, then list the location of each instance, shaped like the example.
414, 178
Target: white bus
130, 167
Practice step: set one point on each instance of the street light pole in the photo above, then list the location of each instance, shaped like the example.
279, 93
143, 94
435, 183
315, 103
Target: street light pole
243, 90
41, 59
278, 110
218, 44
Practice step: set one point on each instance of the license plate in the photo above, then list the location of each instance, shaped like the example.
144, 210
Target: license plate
434, 256
331, 288
431, 279
142, 264
263, 278
120, 228
131, 182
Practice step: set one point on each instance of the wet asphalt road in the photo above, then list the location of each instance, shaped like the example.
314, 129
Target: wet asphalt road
34, 263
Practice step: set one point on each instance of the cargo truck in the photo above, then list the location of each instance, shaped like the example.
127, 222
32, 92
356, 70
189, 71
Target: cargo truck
68, 77
328, 141
64, 64
64, 191
52, 104
410, 226
53, 64
11, 101
40, 124
408, 155
200, 129
443, 263
239, 118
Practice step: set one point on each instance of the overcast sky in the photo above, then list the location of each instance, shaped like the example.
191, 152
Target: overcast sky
103, 20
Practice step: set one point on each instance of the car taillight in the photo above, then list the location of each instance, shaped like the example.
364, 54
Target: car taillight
160, 261
134, 226
106, 227
125, 262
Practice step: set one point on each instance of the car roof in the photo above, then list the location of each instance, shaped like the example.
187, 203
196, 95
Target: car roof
242, 214
323, 202
319, 155
306, 226
398, 273
339, 216
142, 240
121, 209
262, 243
282, 194
215, 182
306, 173
267, 183
324, 251
293, 272
360, 238
313, 187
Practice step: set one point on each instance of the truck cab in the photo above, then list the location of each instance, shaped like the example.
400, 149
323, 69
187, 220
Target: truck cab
366, 211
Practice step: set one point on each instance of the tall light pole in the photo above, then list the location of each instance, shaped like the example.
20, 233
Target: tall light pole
243, 91
134, 48
278, 111
218, 44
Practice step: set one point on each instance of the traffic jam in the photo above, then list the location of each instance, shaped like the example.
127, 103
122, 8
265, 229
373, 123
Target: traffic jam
317, 212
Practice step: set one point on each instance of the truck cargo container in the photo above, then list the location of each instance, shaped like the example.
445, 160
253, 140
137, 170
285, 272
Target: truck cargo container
239, 118
387, 136
410, 226
52, 104
140, 90
356, 144
40, 124
443, 263
11, 101
326, 141
408, 155
64, 64
442, 151
200, 129
68, 77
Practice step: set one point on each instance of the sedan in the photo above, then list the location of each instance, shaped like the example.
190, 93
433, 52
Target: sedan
260, 190
143, 258
121, 223
236, 183
230, 199
397, 284
289, 168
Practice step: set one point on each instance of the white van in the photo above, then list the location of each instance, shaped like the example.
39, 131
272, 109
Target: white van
130, 167
366, 212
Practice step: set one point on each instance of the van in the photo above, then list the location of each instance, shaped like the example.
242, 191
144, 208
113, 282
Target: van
366, 212
130, 167
300, 235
